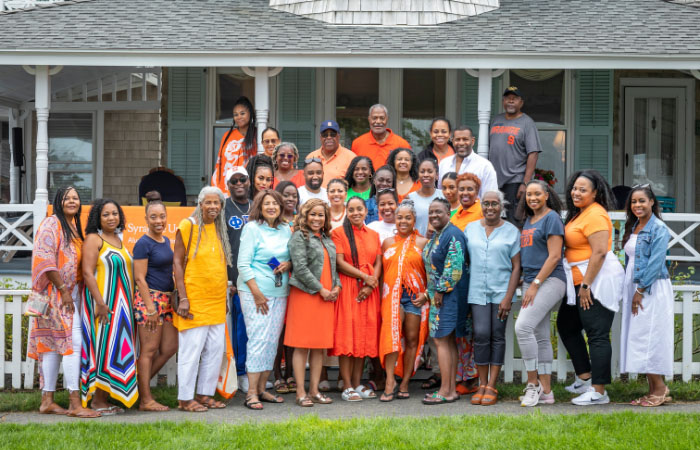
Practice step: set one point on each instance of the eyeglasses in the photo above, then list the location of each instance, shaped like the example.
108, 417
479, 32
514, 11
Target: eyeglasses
285, 155
313, 160
641, 186
270, 141
235, 181
385, 190
491, 204
329, 133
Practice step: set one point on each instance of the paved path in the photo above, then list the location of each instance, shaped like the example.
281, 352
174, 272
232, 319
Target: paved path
237, 413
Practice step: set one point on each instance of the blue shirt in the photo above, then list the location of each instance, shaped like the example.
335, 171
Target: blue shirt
533, 246
259, 244
159, 275
490, 261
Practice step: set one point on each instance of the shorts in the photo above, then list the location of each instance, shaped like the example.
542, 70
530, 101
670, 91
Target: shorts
161, 300
406, 304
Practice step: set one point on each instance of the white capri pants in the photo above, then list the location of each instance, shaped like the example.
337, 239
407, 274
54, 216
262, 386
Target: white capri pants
199, 357
51, 361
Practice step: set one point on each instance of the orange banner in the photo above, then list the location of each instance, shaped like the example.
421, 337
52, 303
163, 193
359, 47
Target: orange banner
136, 222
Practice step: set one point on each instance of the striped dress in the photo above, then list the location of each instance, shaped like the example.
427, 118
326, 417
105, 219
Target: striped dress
108, 360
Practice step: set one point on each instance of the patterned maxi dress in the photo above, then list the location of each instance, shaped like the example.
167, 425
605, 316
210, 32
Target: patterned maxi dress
108, 359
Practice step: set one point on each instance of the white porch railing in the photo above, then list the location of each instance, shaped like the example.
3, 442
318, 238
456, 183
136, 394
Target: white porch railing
16, 230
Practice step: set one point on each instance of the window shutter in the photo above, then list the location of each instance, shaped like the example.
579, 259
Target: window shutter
594, 121
186, 92
470, 101
297, 101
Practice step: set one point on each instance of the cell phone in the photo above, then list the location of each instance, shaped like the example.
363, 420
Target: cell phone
273, 263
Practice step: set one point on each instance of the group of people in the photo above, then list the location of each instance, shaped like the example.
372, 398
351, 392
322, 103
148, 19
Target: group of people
341, 264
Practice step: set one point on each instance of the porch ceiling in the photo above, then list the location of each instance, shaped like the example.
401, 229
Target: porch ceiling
542, 33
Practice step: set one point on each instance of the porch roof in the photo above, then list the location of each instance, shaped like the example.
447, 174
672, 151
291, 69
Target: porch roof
520, 34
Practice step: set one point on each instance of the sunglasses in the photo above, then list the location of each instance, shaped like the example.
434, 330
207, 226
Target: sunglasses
313, 160
383, 191
329, 133
285, 155
641, 186
242, 180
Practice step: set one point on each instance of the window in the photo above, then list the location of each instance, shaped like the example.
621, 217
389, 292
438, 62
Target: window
356, 91
71, 153
231, 84
423, 100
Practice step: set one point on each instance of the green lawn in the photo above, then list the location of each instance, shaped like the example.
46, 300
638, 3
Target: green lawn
600, 431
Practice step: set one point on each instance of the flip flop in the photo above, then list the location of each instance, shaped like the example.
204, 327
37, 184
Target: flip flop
403, 395
435, 399
386, 398
452, 400
431, 383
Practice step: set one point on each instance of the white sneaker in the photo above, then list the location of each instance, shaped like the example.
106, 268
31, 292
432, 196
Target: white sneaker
592, 397
579, 386
269, 385
532, 395
545, 399
243, 383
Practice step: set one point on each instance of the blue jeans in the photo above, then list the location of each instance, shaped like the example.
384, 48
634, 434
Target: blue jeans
239, 338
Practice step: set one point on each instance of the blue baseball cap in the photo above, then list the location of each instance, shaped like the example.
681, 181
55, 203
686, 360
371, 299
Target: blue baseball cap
330, 125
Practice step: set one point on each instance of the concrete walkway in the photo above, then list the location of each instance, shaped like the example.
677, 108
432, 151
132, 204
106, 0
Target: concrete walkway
236, 413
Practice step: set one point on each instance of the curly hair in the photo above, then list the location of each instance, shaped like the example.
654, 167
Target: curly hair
553, 202
68, 233
391, 161
351, 170
256, 214
631, 220
279, 147
284, 185
603, 194
220, 222
93, 224
301, 221
471, 177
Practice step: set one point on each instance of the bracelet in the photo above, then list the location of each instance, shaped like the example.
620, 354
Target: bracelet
184, 298
639, 292
151, 314
61, 287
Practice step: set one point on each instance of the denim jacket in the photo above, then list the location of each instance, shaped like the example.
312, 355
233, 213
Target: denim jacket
307, 261
650, 253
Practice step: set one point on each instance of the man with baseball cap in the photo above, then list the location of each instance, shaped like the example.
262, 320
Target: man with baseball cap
334, 157
514, 145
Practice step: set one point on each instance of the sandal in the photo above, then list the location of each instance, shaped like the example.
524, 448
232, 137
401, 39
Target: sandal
403, 395
291, 384
152, 406
254, 405
387, 397
365, 392
191, 406
350, 395
84, 413
489, 399
324, 386
54, 409
431, 383
639, 401
464, 389
435, 399
269, 398
306, 402
210, 403
453, 399
322, 399
281, 387
476, 398
653, 400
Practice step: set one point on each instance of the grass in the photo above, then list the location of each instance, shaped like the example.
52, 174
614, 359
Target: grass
619, 430
619, 391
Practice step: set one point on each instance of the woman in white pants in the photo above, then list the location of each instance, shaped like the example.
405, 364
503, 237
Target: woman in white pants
544, 285
202, 252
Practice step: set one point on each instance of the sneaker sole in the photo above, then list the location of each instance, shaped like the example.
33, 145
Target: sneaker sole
591, 403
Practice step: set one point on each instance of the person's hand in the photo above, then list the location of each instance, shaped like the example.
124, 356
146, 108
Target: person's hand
637, 303
325, 294
420, 300
151, 321
371, 281
101, 312
283, 267
585, 300
335, 292
261, 305
183, 309
529, 296
521, 191
67, 301
232, 290
504, 308
364, 293
437, 299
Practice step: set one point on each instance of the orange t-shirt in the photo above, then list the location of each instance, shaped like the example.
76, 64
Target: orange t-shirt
415, 187
450, 151
366, 145
336, 165
591, 220
463, 217
231, 154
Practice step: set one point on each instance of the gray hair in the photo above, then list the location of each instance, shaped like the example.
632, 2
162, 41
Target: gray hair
378, 106
408, 204
279, 147
501, 199
220, 222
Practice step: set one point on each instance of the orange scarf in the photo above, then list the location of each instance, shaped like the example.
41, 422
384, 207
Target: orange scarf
403, 270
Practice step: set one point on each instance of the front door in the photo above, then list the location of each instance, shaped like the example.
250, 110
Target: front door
655, 144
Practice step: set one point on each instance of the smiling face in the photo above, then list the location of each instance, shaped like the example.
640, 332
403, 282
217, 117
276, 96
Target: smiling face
271, 210
270, 140
285, 159
313, 176
463, 142
337, 194
330, 140
241, 117
156, 219
290, 197
316, 218
512, 104
356, 212
427, 173
211, 207
536, 197
402, 162
383, 179
71, 204
405, 221
386, 206
109, 218
440, 133
491, 207
377, 121
468, 193
449, 190
263, 178
238, 187
583, 194
641, 205
438, 215
361, 173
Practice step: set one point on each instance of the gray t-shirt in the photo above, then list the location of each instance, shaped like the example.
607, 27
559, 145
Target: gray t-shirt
422, 205
533, 246
510, 141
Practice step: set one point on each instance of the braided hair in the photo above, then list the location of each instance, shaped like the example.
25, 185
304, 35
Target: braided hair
68, 232
249, 145
347, 228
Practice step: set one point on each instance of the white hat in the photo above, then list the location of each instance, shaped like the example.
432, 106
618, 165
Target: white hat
235, 170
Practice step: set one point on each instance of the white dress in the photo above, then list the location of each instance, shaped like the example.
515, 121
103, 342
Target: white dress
646, 341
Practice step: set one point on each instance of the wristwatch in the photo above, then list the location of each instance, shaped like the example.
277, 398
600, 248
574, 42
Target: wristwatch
585, 286
536, 282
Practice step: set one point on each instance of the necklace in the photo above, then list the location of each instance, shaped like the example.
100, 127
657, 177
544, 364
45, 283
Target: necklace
240, 212
337, 218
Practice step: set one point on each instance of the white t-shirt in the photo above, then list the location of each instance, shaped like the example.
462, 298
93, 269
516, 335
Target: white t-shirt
385, 230
478, 165
422, 204
305, 194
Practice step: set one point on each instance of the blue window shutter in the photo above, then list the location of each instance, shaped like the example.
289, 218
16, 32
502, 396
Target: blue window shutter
470, 101
297, 100
594, 121
186, 97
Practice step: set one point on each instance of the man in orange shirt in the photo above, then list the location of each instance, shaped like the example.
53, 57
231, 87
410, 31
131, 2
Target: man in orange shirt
334, 157
380, 140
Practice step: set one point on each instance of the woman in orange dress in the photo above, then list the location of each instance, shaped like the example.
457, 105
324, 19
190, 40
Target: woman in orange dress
404, 324
357, 319
314, 287
238, 144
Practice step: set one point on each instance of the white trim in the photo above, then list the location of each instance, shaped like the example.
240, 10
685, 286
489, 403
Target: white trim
98, 106
209, 118
391, 96
350, 58
98, 153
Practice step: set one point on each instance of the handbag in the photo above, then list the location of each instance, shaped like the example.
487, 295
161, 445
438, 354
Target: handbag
37, 304
227, 385
175, 297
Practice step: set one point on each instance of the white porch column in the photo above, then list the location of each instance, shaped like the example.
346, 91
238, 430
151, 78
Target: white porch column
485, 77
262, 77
13, 115
43, 104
